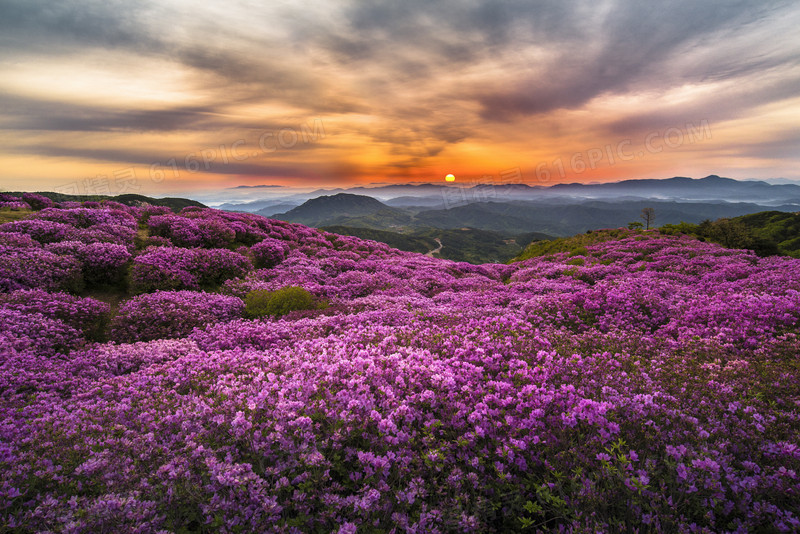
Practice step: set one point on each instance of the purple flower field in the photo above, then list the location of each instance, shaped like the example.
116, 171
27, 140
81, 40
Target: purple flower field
645, 383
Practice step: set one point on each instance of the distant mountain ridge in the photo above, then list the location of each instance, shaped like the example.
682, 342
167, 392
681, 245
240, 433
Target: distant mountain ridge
549, 216
711, 188
708, 188
713, 183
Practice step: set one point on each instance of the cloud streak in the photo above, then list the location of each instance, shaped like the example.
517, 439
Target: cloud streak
405, 89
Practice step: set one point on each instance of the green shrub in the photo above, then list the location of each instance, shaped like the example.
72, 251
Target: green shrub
260, 302
578, 251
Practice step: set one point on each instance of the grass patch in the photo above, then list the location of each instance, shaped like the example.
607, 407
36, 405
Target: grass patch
7, 215
575, 246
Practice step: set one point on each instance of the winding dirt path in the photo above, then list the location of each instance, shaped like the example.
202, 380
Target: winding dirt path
430, 253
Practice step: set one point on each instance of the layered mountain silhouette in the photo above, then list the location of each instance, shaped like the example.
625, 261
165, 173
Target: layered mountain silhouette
348, 210
712, 188
556, 218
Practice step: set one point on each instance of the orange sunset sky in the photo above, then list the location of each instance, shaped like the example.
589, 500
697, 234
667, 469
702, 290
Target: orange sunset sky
173, 96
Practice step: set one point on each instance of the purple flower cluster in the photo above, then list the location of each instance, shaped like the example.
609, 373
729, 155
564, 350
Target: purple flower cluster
37, 202
101, 263
269, 252
86, 315
34, 333
171, 314
181, 231
42, 231
14, 205
13, 240
647, 380
31, 267
205, 228
169, 268
54, 225
83, 244
197, 227
150, 210
86, 217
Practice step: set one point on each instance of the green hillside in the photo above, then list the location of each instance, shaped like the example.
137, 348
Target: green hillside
410, 243
472, 245
385, 218
461, 244
766, 233
575, 245
779, 227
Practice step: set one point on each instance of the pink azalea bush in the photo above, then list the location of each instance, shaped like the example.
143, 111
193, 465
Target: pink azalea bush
14, 205
101, 263
43, 231
85, 217
31, 267
171, 314
34, 333
202, 228
86, 315
269, 252
55, 225
185, 268
37, 202
644, 382
181, 231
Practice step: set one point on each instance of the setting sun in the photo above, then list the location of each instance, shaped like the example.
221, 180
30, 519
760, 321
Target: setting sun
450, 178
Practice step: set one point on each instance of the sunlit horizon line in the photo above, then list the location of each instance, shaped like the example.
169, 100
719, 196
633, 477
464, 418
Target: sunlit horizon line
471, 183
466, 183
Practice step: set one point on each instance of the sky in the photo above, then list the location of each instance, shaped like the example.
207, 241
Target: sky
175, 96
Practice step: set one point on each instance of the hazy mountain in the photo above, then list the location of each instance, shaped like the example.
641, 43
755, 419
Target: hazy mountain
781, 181
386, 192
568, 219
276, 209
257, 205
416, 202
257, 187
553, 217
498, 217
345, 209
711, 187
440, 196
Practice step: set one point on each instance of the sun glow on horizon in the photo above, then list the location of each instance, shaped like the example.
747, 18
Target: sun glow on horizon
309, 102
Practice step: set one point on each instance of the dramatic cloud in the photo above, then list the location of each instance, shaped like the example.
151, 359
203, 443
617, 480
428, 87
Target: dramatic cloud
359, 92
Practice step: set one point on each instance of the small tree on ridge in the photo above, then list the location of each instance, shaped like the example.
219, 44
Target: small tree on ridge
648, 216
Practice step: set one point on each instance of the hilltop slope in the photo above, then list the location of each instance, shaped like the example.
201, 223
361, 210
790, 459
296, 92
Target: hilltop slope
128, 199
589, 390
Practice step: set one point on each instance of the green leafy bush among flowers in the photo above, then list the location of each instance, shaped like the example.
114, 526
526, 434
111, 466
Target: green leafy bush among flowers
261, 303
